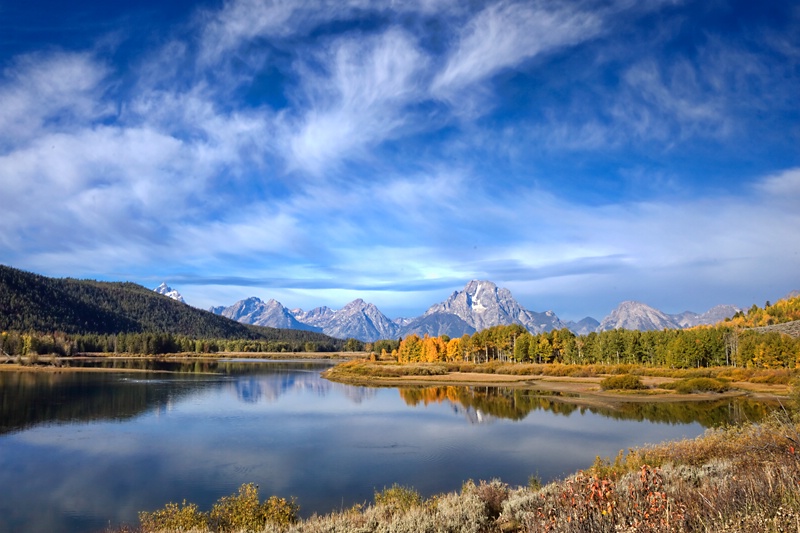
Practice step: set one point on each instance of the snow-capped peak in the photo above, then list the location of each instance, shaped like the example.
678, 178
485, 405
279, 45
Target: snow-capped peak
168, 291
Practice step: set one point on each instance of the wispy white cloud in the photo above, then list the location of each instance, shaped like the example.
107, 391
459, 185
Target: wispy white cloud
359, 101
670, 105
504, 35
240, 22
52, 90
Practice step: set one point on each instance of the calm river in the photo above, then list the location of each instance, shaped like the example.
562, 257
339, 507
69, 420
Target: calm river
80, 451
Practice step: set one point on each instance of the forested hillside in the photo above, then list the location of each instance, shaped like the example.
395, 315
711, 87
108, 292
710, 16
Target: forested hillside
34, 303
781, 312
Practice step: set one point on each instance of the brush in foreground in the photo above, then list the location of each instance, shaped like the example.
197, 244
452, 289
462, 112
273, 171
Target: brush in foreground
744, 479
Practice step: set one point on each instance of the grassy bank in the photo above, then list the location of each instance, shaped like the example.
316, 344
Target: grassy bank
733, 479
63, 364
359, 368
652, 383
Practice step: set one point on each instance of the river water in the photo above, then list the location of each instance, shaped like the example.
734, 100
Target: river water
82, 451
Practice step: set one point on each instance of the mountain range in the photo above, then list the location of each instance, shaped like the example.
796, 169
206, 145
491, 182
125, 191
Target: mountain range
480, 305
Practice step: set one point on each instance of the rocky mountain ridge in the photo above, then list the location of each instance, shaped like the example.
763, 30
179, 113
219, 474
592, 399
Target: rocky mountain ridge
168, 291
480, 305
258, 313
358, 319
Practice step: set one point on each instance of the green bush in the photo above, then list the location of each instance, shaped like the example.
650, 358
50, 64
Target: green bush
695, 385
243, 511
239, 512
174, 517
398, 499
623, 382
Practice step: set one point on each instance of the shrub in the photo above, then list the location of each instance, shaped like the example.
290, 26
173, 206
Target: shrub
492, 494
244, 511
459, 513
239, 512
773, 377
694, 385
736, 373
623, 382
174, 517
398, 499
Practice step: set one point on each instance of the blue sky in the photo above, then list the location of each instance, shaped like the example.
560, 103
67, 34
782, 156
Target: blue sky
578, 153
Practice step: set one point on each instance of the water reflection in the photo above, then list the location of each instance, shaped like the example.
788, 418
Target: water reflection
31, 398
93, 448
484, 404
28, 399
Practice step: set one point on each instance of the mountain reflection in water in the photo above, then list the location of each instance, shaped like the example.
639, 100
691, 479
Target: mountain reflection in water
28, 399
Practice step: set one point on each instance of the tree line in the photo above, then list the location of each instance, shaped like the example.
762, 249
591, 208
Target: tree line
15, 343
696, 347
729, 343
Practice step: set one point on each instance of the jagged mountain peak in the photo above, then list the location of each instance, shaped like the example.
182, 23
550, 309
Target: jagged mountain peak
168, 291
360, 320
259, 313
482, 305
358, 303
631, 314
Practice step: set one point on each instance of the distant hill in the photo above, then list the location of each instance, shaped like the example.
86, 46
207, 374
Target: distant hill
30, 302
789, 328
583, 326
642, 317
784, 313
638, 316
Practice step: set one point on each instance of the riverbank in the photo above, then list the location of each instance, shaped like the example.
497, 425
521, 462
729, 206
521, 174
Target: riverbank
579, 381
49, 363
743, 479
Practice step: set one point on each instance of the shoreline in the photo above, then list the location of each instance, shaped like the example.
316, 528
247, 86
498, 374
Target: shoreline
580, 390
576, 389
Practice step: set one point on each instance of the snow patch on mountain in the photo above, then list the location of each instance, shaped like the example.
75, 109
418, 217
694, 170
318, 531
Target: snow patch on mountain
482, 305
168, 291
258, 313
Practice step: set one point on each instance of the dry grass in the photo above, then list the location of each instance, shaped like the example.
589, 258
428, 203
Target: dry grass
733, 479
